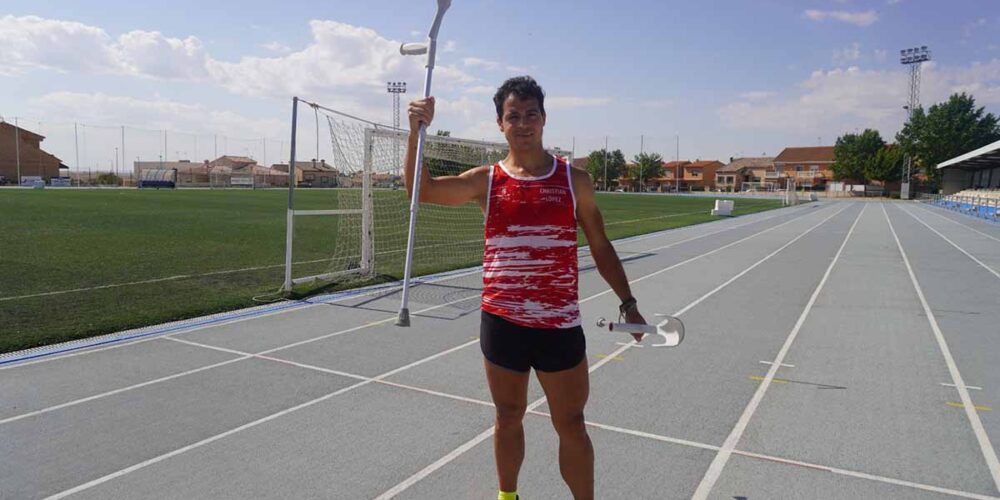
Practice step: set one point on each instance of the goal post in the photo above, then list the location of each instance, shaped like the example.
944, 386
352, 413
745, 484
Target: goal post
351, 225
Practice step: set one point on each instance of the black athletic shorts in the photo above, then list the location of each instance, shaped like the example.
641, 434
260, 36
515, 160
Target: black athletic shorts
521, 348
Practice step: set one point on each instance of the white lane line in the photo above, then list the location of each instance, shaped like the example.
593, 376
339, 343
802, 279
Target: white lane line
968, 386
786, 365
117, 391
863, 475
719, 462
376, 290
269, 351
179, 451
441, 462
945, 238
705, 446
992, 463
255, 423
243, 355
953, 221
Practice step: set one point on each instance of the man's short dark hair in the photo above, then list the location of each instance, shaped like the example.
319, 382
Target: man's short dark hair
522, 87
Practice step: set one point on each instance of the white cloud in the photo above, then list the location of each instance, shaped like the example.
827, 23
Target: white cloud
970, 28
346, 62
866, 18
519, 69
481, 90
157, 114
150, 54
847, 55
831, 102
475, 62
658, 103
277, 47
854, 54
449, 46
570, 102
756, 95
31, 42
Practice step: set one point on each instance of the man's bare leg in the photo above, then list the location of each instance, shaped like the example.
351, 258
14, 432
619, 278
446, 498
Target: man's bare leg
567, 393
509, 389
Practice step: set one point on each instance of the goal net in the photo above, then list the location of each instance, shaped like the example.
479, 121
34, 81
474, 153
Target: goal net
358, 230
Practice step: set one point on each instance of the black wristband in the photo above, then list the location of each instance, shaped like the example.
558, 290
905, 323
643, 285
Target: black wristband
629, 303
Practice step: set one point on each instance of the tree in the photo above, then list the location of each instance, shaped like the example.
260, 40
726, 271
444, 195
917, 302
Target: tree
595, 165
887, 165
853, 153
647, 165
947, 130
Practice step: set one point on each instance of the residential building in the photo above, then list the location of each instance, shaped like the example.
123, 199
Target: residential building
741, 174
810, 167
19, 146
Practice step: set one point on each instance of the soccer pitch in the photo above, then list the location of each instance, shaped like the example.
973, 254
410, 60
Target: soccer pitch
78, 263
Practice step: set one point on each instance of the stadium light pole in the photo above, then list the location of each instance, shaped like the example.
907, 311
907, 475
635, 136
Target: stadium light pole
414, 49
395, 89
912, 57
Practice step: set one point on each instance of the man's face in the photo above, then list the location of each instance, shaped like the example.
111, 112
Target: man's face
522, 121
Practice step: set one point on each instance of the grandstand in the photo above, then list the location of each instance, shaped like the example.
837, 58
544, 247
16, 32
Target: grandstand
971, 182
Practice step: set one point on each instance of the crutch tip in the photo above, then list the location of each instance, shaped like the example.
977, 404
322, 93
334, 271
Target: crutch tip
404, 317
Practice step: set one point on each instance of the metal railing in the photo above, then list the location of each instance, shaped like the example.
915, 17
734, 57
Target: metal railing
976, 206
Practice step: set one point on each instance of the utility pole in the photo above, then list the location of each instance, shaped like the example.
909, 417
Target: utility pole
642, 146
605, 164
17, 149
677, 166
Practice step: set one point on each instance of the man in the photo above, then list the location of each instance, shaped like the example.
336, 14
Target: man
530, 312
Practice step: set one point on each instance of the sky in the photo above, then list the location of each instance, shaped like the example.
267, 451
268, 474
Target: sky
709, 80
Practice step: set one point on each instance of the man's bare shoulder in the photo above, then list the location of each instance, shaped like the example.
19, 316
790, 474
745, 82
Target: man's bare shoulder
581, 178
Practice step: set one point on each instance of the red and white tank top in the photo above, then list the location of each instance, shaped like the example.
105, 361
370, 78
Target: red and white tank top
530, 269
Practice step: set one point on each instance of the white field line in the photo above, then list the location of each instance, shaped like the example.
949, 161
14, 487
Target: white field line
960, 249
992, 463
179, 451
953, 221
719, 462
652, 218
272, 266
441, 462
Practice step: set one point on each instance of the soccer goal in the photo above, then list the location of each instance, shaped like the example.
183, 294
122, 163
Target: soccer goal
791, 193
357, 231
758, 187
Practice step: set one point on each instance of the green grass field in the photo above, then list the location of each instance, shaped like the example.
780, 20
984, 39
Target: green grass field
96, 243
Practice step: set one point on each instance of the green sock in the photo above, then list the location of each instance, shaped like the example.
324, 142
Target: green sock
507, 495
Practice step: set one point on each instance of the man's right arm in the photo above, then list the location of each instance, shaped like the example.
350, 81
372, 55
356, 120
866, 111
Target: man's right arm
459, 189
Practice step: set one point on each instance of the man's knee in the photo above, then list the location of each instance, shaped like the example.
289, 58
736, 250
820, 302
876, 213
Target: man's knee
510, 415
571, 424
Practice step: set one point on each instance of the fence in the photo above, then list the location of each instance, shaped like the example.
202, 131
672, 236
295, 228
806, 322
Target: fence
977, 206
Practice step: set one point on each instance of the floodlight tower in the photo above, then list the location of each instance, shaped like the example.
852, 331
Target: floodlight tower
395, 88
913, 58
